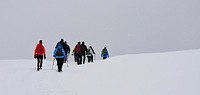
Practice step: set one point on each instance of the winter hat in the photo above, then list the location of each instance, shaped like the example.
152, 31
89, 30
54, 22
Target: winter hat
40, 41
62, 40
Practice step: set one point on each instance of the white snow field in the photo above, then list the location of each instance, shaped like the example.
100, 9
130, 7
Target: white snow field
170, 73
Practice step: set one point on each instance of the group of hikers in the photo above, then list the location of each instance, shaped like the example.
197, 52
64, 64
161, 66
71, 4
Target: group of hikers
62, 52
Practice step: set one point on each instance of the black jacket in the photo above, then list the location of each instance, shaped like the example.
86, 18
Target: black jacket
83, 49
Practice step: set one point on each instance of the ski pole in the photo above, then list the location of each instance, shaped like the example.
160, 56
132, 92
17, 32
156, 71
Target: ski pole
67, 59
53, 62
95, 57
67, 64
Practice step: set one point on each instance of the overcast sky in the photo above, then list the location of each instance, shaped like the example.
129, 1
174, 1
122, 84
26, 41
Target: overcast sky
123, 26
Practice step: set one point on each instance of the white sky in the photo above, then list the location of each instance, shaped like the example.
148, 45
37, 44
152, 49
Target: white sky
123, 26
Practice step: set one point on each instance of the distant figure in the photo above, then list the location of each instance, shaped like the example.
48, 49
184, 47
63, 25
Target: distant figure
83, 51
78, 53
105, 53
67, 50
39, 54
90, 52
74, 54
60, 55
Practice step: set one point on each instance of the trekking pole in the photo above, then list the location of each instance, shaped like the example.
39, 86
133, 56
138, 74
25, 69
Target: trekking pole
67, 60
53, 62
36, 64
95, 57
67, 64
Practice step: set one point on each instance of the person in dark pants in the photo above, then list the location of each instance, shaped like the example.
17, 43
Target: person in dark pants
83, 51
60, 63
90, 52
66, 47
78, 53
104, 53
60, 55
39, 54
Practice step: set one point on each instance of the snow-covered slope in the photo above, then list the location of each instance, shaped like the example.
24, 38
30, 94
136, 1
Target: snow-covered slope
171, 73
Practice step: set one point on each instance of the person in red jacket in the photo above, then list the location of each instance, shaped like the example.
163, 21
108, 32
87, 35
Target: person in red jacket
39, 54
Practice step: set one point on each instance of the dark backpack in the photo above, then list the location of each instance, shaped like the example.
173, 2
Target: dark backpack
59, 52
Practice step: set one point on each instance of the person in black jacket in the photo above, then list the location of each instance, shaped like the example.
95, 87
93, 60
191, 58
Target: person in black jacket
66, 47
83, 51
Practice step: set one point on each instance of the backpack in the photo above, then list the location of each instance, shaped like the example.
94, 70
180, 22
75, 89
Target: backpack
78, 48
88, 52
59, 52
104, 52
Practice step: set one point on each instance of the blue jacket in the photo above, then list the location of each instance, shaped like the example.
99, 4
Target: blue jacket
104, 53
56, 49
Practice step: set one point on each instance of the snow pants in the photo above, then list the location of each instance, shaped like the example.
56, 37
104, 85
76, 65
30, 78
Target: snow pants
60, 63
104, 57
79, 58
39, 62
90, 58
83, 58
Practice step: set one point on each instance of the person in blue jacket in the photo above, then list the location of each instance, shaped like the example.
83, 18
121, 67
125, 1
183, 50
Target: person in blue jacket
60, 55
104, 53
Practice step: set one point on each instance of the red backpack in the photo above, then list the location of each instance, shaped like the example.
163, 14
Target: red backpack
78, 48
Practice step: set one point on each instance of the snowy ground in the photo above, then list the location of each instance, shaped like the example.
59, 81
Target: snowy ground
172, 73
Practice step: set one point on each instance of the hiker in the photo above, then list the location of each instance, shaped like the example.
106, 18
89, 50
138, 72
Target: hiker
60, 55
74, 54
83, 51
67, 50
104, 53
90, 52
78, 53
39, 53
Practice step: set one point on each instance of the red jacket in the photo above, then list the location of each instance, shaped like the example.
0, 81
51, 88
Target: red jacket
40, 50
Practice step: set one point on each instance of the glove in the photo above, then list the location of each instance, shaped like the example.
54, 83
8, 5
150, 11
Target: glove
44, 57
35, 56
